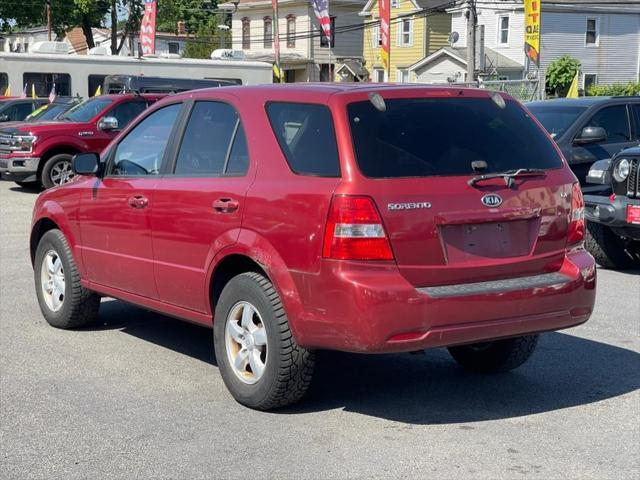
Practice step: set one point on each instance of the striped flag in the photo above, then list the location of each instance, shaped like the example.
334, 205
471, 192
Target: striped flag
52, 94
24, 91
321, 9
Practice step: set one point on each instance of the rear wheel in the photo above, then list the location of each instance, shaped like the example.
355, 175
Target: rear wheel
64, 302
607, 248
495, 356
57, 170
259, 360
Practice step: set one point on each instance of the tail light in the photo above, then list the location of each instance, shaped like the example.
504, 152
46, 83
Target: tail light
576, 221
354, 231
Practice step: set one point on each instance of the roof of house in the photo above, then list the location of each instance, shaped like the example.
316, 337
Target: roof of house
493, 58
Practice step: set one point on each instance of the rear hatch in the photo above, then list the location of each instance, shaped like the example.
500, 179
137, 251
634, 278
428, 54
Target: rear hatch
418, 156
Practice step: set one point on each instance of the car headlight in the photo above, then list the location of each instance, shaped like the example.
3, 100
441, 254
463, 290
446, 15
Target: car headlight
621, 171
22, 143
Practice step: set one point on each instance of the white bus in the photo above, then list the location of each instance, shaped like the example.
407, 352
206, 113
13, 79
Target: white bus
82, 74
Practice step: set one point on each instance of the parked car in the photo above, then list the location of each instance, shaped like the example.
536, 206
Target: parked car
47, 111
17, 109
589, 129
41, 152
146, 84
305, 217
613, 217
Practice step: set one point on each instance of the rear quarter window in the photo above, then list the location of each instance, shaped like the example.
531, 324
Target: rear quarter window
306, 136
443, 136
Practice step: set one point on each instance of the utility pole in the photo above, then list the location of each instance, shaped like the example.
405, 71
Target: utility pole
49, 19
472, 22
276, 43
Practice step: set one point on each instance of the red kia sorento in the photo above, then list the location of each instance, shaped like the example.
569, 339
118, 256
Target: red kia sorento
376, 218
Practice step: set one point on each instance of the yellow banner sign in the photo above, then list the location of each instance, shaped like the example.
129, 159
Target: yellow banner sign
532, 30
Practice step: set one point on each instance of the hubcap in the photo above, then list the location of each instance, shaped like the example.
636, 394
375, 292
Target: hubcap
52, 280
246, 342
61, 172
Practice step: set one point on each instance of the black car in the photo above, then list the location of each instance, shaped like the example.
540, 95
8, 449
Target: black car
613, 217
144, 84
17, 109
588, 129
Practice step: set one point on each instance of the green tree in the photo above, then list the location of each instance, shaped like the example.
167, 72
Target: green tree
560, 74
208, 38
195, 13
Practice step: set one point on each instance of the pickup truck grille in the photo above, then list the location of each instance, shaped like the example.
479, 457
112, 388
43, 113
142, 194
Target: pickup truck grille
4, 143
633, 180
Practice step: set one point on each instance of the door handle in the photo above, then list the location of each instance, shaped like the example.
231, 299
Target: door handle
138, 201
226, 205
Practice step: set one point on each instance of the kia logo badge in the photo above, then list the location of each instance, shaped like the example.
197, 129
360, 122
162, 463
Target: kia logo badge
492, 200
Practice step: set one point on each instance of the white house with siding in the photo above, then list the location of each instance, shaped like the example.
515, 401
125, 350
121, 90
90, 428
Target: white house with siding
304, 54
603, 35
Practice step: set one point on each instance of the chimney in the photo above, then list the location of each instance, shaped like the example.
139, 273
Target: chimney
181, 28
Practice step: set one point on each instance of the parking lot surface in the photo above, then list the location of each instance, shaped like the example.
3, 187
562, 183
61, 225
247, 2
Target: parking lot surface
138, 395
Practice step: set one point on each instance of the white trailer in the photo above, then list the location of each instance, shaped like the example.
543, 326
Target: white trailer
81, 74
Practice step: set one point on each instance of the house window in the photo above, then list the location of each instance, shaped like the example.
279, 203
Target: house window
378, 75
503, 30
590, 79
402, 75
324, 41
376, 38
326, 72
405, 33
268, 32
246, 32
591, 36
174, 47
395, 3
291, 31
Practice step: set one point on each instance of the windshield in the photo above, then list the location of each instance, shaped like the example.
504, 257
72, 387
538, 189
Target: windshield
47, 112
85, 111
443, 136
556, 119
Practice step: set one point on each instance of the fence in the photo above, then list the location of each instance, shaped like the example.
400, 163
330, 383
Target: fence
523, 90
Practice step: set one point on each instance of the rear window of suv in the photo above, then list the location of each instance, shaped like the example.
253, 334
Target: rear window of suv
443, 136
306, 136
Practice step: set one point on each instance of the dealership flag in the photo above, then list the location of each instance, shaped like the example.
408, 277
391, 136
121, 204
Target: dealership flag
385, 18
24, 91
52, 94
532, 30
148, 28
321, 9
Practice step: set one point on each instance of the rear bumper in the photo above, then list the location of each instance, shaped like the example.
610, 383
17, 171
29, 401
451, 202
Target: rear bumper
352, 308
19, 168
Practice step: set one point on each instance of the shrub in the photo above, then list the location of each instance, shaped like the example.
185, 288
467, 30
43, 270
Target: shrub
616, 89
560, 74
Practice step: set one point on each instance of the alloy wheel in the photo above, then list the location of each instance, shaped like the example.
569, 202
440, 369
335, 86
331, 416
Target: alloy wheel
52, 280
246, 342
61, 172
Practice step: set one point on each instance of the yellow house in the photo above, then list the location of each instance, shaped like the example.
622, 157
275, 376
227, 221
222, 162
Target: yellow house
418, 28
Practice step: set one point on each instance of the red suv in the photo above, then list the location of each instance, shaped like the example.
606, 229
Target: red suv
41, 152
296, 218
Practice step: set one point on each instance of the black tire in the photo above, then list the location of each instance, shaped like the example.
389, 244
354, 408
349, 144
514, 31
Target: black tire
495, 356
45, 179
607, 248
79, 305
288, 367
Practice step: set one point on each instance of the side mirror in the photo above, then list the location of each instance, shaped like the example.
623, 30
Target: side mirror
108, 124
85, 163
591, 135
4, 117
600, 173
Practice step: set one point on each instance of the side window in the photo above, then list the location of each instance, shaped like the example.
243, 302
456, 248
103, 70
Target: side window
20, 111
125, 112
306, 136
615, 121
207, 147
141, 151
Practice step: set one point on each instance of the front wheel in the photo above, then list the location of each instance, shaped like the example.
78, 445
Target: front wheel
64, 302
57, 170
259, 360
495, 356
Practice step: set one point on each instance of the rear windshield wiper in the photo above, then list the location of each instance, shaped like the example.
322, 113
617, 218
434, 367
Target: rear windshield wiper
509, 176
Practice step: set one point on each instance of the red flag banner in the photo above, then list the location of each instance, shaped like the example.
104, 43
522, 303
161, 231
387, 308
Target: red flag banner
385, 19
148, 28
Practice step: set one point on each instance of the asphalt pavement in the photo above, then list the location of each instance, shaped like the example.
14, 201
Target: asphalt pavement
138, 395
